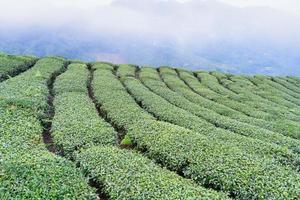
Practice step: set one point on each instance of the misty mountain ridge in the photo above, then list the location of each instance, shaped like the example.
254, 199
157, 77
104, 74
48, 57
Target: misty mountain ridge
219, 37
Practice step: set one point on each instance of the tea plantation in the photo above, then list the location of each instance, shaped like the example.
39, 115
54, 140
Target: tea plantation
76, 130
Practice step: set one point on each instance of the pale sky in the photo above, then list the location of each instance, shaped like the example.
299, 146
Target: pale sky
291, 6
215, 18
287, 5
202, 23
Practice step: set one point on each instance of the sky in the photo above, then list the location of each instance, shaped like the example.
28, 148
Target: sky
181, 24
17, 8
291, 6
142, 16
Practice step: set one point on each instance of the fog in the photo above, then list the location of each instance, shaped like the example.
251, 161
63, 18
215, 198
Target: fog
187, 27
159, 18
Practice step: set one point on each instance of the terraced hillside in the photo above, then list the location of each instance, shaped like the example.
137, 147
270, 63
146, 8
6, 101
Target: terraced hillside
75, 130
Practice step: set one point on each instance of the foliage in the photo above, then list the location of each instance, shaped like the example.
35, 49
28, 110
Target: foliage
126, 140
29, 89
74, 80
129, 175
228, 107
213, 122
13, 65
28, 170
36, 174
78, 130
193, 135
205, 160
76, 123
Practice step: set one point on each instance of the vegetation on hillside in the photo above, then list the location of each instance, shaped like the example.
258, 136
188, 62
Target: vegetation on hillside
75, 130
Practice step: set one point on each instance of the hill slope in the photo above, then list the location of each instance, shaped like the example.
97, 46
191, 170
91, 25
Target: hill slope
79, 130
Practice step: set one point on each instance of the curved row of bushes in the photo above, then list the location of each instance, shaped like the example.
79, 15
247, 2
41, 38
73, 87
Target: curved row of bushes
236, 101
90, 141
274, 123
191, 89
241, 99
284, 127
165, 111
209, 162
208, 119
250, 91
28, 170
293, 79
271, 92
76, 123
172, 80
285, 82
246, 90
282, 87
13, 65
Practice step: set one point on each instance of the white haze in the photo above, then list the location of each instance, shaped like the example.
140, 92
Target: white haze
206, 20
185, 22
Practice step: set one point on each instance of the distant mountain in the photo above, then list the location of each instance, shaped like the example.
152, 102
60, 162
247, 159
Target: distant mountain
197, 35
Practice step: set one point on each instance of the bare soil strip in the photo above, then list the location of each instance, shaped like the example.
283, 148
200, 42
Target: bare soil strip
50, 111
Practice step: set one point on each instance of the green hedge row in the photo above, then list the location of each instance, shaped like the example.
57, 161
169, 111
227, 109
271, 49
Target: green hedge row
290, 85
292, 79
264, 89
245, 87
237, 101
28, 170
76, 123
285, 127
124, 174
283, 111
196, 92
126, 70
212, 163
11, 65
151, 79
165, 111
129, 175
212, 83
29, 89
105, 81
283, 87
284, 100
223, 80
216, 164
248, 107
38, 174
282, 121
283, 92
74, 80
279, 92
249, 93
